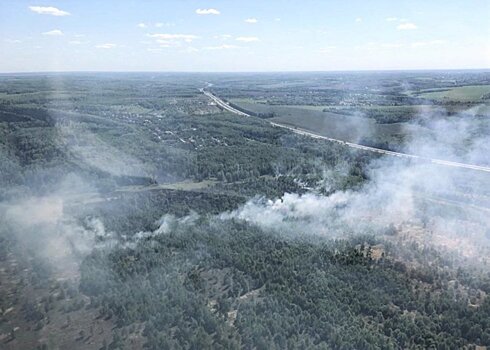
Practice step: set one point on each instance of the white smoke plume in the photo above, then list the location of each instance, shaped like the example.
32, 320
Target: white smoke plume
450, 206
167, 224
43, 226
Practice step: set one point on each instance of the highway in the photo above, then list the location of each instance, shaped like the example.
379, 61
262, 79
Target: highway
304, 132
223, 104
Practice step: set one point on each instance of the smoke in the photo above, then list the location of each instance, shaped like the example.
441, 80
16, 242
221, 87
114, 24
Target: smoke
449, 206
44, 214
463, 137
45, 228
95, 152
308, 213
424, 202
167, 223
353, 128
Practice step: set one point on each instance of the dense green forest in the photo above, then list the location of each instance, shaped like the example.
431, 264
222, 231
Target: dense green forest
229, 285
112, 194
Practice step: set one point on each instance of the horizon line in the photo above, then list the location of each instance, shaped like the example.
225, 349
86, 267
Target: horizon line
244, 72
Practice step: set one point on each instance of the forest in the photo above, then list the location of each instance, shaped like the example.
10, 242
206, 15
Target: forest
138, 214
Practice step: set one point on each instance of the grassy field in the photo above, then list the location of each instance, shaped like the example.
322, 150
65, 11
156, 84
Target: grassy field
329, 124
350, 128
387, 127
473, 93
181, 186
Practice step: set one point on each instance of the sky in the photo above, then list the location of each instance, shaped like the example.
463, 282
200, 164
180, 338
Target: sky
240, 36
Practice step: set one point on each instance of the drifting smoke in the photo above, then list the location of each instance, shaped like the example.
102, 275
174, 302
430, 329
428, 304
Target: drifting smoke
93, 151
43, 228
168, 223
431, 203
45, 216
449, 204
463, 138
40, 226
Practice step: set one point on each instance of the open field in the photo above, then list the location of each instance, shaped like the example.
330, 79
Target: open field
346, 127
475, 93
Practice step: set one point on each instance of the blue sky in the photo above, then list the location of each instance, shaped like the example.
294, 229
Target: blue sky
252, 35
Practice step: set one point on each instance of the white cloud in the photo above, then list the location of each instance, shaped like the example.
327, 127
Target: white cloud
247, 39
407, 26
438, 42
13, 41
207, 12
222, 47
367, 46
223, 36
358, 19
191, 49
391, 19
327, 49
370, 46
277, 19
156, 25
106, 46
172, 37
167, 43
74, 42
48, 10
251, 20
391, 45
55, 32
165, 40
427, 43
164, 24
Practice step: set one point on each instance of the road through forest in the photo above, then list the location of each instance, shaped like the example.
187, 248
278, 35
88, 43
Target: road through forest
304, 132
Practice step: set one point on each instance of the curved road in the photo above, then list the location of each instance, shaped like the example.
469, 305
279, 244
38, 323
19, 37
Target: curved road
223, 104
299, 131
